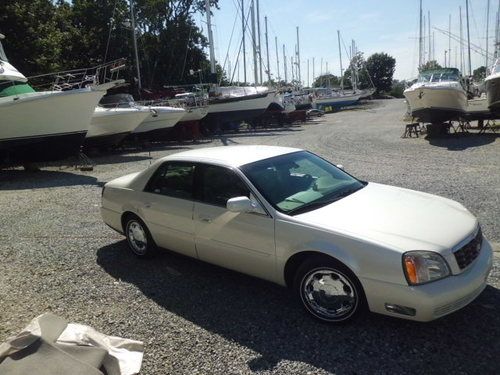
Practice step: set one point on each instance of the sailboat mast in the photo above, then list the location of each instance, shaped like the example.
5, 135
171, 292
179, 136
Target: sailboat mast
487, 26
429, 24
462, 63
268, 67
243, 28
340, 57
134, 39
210, 36
449, 40
314, 65
419, 39
259, 46
298, 57
277, 57
308, 73
468, 34
284, 64
254, 44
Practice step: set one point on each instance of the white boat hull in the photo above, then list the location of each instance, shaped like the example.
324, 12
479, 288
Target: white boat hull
109, 126
45, 126
436, 104
493, 91
194, 114
160, 118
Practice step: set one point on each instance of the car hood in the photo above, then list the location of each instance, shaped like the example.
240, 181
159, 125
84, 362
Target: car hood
400, 218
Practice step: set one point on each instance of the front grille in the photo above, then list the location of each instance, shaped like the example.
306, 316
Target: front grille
469, 251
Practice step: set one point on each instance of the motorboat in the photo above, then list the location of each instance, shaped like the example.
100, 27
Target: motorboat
492, 82
41, 126
109, 126
438, 95
236, 104
159, 121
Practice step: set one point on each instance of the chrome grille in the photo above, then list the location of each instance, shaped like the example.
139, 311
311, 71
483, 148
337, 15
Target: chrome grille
470, 251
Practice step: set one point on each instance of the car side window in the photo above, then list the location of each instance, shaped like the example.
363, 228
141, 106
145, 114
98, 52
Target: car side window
173, 179
220, 184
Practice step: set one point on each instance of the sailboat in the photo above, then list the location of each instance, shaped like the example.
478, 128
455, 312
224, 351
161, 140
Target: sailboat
234, 103
41, 126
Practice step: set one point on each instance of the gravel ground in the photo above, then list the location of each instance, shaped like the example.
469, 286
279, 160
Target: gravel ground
195, 318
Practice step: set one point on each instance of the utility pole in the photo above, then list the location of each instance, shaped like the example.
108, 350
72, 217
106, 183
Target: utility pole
210, 37
284, 63
267, 55
259, 49
468, 34
254, 45
277, 57
298, 57
243, 40
136, 53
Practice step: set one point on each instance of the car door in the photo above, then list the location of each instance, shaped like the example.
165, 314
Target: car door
240, 241
168, 207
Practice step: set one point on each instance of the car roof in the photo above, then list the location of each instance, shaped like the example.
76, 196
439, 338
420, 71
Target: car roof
234, 156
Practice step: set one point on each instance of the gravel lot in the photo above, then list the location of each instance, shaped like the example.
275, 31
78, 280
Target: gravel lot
195, 318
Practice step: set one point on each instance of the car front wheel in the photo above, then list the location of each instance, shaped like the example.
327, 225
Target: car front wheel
138, 237
328, 290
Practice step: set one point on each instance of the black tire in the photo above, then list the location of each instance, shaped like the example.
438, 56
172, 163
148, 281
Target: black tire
139, 238
312, 274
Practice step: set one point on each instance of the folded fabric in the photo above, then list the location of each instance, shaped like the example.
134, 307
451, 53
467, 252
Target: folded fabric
51, 346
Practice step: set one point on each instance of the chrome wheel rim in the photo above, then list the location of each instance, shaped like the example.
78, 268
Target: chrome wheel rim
137, 237
329, 294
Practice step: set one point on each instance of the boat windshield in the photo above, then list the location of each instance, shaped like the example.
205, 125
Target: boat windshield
3, 56
441, 75
299, 182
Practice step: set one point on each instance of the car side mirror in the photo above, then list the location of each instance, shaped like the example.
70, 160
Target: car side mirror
340, 166
241, 204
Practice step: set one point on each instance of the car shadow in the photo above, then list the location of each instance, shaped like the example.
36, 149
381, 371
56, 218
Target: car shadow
41, 179
459, 142
265, 318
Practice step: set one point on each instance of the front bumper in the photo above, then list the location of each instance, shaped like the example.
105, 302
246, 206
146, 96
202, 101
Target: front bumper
436, 299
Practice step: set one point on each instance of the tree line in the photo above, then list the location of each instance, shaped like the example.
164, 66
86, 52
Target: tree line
44, 36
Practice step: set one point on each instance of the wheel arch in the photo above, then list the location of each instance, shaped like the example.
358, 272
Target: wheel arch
293, 263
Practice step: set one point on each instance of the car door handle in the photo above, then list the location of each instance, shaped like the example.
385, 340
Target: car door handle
147, 205
206, 219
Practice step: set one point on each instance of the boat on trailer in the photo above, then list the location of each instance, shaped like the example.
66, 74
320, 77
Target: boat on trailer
439, 95
492, 82
41, 126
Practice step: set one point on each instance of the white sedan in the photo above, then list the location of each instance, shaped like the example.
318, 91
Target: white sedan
291, 217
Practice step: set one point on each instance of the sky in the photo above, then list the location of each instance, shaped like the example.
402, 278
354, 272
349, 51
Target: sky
389, 26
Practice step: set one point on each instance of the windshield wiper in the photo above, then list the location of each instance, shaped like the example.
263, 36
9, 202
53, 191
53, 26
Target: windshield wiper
323, 201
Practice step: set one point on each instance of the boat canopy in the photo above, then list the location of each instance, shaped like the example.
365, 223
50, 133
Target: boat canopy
439, 75
238, 91
13, 88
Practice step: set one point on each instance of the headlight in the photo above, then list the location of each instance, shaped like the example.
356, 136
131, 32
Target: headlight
422, 267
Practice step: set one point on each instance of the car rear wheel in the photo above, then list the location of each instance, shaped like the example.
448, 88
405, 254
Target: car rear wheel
138, 237
328, 290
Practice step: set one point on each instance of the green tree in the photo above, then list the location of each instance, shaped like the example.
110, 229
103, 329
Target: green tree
397, 88
479, 74
380, 67
326, 80
432, 64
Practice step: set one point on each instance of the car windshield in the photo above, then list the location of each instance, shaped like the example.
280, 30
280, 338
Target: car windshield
299, 182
